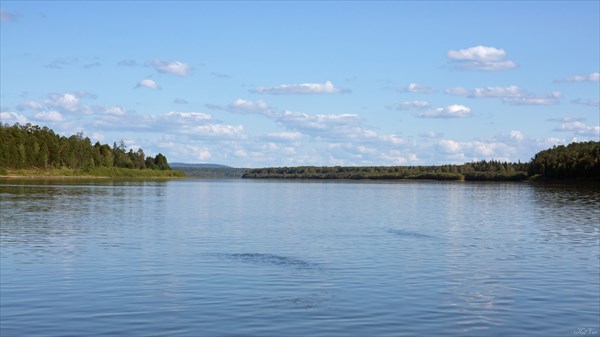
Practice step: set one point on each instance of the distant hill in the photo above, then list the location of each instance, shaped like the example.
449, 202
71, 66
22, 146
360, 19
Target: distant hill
209, 171
210, 166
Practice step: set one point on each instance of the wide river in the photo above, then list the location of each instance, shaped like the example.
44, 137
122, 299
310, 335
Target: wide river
290, 258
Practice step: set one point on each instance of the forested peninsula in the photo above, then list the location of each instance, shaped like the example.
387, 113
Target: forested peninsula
576, 161
31, 150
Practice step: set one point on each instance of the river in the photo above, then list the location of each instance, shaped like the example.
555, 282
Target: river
290, 258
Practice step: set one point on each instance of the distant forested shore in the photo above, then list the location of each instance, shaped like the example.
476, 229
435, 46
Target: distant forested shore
31, 150
576, 161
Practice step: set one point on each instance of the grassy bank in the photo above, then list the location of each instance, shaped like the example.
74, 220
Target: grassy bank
99, 172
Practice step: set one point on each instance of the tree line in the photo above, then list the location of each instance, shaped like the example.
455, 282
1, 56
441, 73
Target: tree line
575, 161
34, 147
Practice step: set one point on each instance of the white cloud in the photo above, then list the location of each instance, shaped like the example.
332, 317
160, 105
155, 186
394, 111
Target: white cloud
449, 146
511, 95
451, 111
478, 53
550, 99
29, 105
115, 111
148, 83
67, 102
186, 117
287, 136
325, 126
592, 77
241, 153
319, 125
202, 154
417, 89
11, 118
300, 89
216, 130
197, 124
173, 68
246, 106
50, 116
481, 58
576, 125
495, 92
430, 134
516, 135
392, 139
414, 105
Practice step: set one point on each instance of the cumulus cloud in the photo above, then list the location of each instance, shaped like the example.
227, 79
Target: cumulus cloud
202, 154
65, 102
148, 83
430, 134
495, 92
173, 68
592, 77
511, 95
451, 111
29, 105
319, 125
49, 116
516, 135
300, 89
577, 126
417, 89
449, 146
195, 124
115, 111
337, 136
57, 105
216, 130
480, 58
324, 126
246, 106
414, 105
186, 117
550, 99
7, 117
286, 136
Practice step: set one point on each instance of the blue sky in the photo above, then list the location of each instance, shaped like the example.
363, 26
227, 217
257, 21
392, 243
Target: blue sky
253, 84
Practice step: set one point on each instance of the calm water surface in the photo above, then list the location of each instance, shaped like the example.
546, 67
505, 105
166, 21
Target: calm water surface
277, 258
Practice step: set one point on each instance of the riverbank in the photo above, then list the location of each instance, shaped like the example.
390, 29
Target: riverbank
96, 173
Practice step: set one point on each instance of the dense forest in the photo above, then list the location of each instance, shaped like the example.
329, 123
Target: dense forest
577, 161
482, 170
33, 147
574, 161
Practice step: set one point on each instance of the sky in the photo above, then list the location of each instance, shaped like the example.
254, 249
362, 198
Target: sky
265, 83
